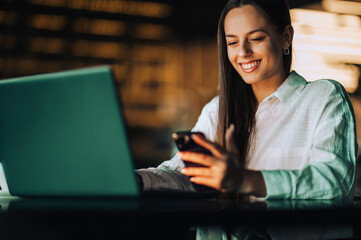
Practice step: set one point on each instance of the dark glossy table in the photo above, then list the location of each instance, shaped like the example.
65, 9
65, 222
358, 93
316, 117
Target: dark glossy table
177, 218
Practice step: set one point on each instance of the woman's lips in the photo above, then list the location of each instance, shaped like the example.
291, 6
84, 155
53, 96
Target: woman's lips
249, 66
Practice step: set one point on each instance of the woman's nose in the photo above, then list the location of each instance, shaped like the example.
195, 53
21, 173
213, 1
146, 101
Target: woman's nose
245, 50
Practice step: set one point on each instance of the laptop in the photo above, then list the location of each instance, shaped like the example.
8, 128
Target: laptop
63, 134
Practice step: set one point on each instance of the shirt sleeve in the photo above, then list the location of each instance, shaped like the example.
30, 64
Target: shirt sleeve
331, 171
167, 175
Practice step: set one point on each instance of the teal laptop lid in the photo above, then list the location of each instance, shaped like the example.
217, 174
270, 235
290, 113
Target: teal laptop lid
63, 134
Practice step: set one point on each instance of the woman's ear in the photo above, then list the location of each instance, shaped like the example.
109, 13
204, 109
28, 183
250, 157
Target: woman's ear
288, 36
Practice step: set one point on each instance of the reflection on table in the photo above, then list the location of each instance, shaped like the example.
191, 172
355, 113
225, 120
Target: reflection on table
177, 218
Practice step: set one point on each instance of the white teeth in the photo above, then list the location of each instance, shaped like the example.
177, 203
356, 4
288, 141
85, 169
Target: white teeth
250, 65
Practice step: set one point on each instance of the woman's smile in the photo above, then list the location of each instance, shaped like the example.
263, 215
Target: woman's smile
249, 66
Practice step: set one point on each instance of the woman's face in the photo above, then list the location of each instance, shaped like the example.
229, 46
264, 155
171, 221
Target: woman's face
254, 47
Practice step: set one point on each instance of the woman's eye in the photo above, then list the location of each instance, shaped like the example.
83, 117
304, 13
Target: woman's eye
231, 43
258, 39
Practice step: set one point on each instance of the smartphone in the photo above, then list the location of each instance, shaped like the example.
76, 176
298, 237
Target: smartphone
184, 142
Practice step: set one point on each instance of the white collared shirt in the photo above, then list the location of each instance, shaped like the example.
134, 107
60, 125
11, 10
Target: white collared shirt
304, 142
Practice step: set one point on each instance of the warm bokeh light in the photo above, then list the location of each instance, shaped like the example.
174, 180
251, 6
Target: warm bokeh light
100, 26
8, 18
139, 8
341, 6
45, 21
47, 45
327, 45
151, 31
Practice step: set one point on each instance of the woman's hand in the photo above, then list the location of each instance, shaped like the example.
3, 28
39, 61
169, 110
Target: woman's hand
223, 171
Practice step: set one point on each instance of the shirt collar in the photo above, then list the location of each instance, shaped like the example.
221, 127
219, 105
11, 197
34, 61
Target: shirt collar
290, 88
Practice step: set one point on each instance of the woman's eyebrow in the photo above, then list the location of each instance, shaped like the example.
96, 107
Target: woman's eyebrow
258, 30
251, 32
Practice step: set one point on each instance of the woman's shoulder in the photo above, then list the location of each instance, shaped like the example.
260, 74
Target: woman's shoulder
207, 120
326, 85
212, 105
328, 93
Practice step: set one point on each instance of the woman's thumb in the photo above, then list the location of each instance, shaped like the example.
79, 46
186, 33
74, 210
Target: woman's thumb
231, 145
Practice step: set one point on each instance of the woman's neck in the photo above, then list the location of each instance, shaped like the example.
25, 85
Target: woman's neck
265, 88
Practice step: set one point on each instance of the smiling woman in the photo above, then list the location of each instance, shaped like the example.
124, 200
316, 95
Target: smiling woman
271, 133
256, 48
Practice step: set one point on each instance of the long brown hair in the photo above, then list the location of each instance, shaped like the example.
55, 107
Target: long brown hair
237, 103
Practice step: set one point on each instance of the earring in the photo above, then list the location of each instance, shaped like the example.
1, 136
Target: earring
286, 51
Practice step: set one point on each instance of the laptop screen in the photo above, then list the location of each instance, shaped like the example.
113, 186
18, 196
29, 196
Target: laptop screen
63, 134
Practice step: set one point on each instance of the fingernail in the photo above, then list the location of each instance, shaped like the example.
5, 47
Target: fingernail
194, 136
183, 170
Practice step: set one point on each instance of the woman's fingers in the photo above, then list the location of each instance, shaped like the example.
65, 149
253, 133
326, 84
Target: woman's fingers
199, 158
197, 171
206, 181
207, 144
